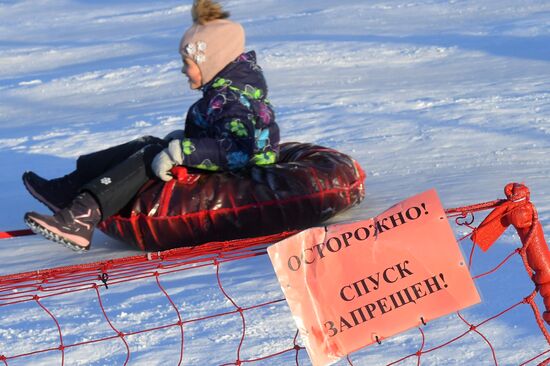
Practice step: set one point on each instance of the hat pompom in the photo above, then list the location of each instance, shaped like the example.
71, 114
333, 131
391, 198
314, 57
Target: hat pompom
204, 11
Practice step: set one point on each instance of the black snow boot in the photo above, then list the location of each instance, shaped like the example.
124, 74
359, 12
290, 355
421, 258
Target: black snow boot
56, 193
72, 227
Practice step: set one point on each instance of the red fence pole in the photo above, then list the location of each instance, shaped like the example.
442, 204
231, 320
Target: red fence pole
518, 210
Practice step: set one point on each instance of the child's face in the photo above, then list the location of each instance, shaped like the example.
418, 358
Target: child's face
191, 69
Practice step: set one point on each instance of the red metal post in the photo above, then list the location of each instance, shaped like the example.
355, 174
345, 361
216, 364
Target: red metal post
519, 211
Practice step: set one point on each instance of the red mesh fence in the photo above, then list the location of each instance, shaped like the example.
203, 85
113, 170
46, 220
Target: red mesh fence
185, 305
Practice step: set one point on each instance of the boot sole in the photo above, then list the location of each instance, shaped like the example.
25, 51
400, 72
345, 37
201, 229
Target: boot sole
40, 198
50, 235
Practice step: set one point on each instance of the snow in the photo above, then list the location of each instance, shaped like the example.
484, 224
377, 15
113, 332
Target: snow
449, 94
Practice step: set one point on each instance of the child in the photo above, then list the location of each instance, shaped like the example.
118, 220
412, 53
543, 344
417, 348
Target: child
231, 127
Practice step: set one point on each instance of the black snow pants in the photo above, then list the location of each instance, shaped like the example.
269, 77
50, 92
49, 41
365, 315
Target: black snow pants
114, 175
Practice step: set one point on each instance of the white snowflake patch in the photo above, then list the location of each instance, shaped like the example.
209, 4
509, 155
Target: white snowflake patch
197, 51
106, 181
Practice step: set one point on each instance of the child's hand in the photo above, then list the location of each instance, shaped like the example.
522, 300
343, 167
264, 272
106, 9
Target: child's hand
166, 159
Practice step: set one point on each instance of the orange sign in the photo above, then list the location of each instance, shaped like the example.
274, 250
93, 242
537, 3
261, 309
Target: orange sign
351, 285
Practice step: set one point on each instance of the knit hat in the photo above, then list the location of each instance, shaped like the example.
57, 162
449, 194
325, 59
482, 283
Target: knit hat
213, 41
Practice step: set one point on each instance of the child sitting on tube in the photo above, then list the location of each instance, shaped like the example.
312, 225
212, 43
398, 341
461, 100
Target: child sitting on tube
231, 127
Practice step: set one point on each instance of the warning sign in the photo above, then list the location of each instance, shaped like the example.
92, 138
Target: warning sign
350, 285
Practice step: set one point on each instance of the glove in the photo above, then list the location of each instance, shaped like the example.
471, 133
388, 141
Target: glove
167, 159
177, 134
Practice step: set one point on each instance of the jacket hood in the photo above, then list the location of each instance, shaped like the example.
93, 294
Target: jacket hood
241, 72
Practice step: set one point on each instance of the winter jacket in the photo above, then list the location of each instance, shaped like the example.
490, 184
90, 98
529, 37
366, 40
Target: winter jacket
233, 125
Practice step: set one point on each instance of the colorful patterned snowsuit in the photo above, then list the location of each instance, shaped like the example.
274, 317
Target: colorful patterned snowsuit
233, 125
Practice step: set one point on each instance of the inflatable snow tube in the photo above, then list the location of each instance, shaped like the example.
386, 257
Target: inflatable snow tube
308, 185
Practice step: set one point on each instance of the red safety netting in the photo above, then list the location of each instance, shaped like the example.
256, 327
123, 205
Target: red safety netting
99, 282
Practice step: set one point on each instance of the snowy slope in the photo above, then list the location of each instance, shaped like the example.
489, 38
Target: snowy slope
453, 95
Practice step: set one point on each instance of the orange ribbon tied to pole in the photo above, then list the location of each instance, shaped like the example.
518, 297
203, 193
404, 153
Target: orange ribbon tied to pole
518, 210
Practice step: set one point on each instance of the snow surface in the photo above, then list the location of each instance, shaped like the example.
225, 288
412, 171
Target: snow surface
453, 95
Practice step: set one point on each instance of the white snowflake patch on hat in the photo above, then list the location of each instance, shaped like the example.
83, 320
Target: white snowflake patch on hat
197, 51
